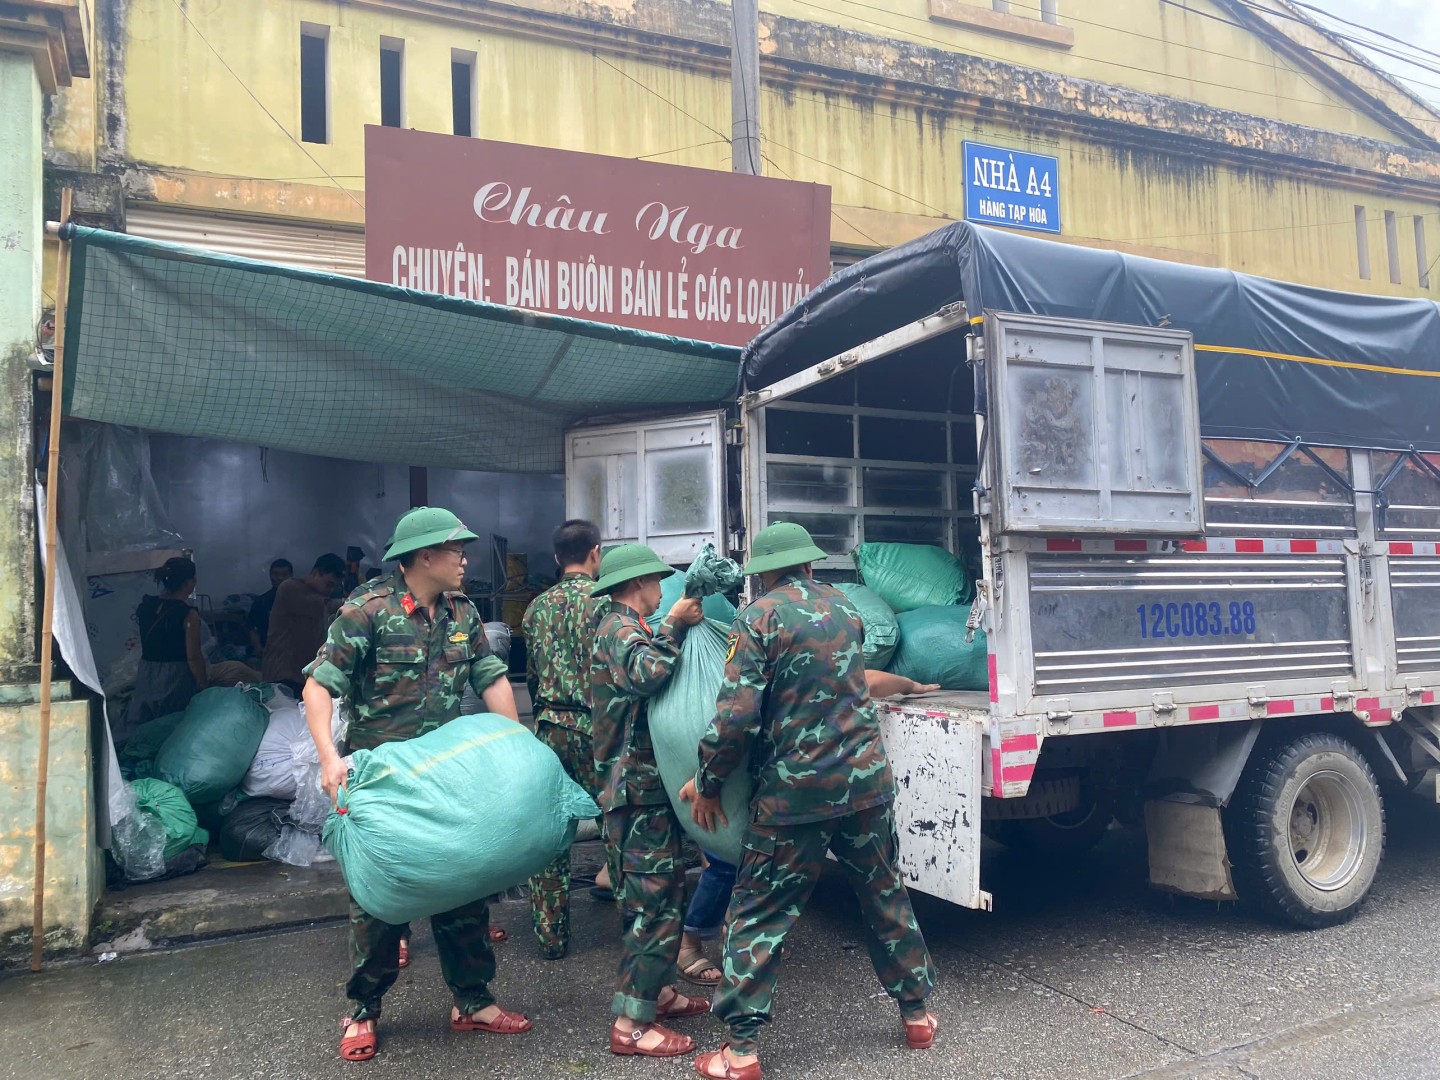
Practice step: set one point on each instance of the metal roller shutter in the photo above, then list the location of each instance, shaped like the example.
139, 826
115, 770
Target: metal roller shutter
315, 246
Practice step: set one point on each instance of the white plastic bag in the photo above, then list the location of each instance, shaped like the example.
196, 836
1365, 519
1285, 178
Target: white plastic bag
286, 749
137, 839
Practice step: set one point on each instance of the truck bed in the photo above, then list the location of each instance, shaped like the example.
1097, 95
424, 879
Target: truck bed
967, 704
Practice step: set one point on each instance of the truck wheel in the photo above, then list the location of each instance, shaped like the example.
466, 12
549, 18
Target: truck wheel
1072, 833
1306, 830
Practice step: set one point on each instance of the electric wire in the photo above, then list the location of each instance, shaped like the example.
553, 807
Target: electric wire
255, 98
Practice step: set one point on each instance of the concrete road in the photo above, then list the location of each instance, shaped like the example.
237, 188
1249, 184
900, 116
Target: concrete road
1077, 975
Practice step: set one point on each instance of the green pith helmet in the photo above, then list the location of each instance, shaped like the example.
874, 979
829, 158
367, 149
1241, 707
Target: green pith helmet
426, 526
781, 546
626, 563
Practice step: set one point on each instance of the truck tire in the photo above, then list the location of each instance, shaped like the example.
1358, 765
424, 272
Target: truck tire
1072, 833
1306, 830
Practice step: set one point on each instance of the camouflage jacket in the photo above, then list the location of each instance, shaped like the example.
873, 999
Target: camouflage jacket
632, 663
794, 698
402, 672
559, 629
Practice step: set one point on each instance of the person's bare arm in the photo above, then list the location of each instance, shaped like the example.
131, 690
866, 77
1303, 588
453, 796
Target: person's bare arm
883, 684
193, 656
319, 707
500, 698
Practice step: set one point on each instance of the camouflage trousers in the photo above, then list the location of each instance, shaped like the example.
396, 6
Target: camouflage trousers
550, 889
778, 873
651, 892
462, 937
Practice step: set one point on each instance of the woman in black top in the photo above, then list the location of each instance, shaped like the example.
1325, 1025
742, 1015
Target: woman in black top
172, 668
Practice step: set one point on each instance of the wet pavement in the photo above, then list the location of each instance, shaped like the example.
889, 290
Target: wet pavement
1080, 973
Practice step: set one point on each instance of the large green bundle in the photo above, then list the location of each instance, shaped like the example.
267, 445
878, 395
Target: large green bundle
137, 756
681, 713
933, 649
209, 751
168, 804
679, 717
910, 576
710, 576
465, 811
882, 632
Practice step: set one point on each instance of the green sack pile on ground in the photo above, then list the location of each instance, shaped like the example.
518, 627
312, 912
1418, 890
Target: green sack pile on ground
910, 576
209, 751
882, 632
933, 649
460, 813
137, 756
168, 803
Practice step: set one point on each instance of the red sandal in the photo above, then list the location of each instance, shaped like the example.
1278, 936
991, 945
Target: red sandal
694, 1006
507, 1023
732, 1071
627, 1044
920, 1034
497, 935
404, 953
361, 1045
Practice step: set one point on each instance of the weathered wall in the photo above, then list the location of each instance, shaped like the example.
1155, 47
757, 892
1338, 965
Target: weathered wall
20, 291
1179, 136
72, 881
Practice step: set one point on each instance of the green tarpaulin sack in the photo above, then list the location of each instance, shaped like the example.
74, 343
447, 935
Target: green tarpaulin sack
211, 749
467, 810
910, 576
137, 756
933, 649
168, 803
678, 586
682, 711
882, 632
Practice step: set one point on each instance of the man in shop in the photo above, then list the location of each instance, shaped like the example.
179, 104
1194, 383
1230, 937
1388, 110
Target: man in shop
258, 621
794, 701
632, 663
559, 630
418, 610
297, 621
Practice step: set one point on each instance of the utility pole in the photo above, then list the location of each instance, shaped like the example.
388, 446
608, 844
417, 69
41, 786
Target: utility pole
745, 87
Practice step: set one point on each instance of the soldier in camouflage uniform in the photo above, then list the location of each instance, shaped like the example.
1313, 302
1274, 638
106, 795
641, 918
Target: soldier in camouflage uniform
632, 663
401, 652
795, 701
559, 629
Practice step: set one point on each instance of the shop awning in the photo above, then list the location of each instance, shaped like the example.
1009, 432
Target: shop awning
178, 340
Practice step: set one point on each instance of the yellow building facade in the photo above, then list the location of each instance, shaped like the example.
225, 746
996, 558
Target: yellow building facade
1204, 132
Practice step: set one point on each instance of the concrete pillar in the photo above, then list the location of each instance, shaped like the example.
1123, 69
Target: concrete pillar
42, 46
21, 238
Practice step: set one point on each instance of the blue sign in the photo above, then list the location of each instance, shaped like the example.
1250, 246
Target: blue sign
1011, 188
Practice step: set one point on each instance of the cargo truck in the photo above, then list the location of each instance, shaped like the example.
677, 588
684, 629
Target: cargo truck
1203, 511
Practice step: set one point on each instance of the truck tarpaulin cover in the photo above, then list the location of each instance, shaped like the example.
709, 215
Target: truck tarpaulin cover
1274, 361
188, 342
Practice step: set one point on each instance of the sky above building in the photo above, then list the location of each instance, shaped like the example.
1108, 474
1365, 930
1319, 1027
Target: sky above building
1415, 22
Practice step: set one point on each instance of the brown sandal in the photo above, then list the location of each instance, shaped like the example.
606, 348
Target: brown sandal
691, 971
627, 1044
497, 935
732, 1071
920, 1034
694, 1006
507, 1023
404, 953
361, 1045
